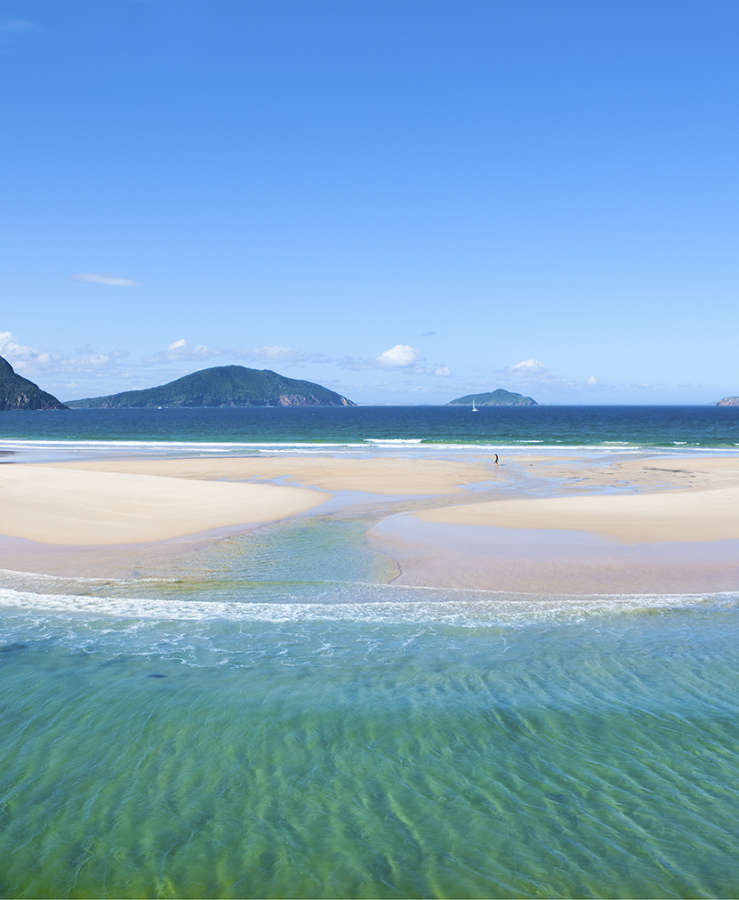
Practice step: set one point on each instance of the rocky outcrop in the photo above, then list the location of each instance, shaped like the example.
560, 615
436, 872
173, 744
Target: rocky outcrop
728, 401
310, 400
17, 392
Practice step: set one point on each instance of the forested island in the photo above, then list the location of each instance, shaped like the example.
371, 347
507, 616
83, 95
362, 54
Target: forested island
498, 397
221, 386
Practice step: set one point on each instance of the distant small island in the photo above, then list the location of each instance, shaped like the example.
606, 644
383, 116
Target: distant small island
494, 398
17, 392
728, 401
221, 386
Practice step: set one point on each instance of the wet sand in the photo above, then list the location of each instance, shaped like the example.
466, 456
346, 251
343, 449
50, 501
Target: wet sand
371, 475
481, 557
621, 524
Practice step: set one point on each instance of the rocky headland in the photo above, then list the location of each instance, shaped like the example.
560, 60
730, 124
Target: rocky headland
17, 392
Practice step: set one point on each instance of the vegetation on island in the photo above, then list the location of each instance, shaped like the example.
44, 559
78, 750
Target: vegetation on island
222, 386
498, 397
17, 392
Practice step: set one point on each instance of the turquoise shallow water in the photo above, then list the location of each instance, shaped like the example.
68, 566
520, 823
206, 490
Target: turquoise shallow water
277, 721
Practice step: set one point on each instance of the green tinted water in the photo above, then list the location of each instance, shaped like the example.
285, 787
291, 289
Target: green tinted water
239, 735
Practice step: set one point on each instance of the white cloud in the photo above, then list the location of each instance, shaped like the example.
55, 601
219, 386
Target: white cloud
181, 350
529, 374
110, 280
20, 356
399, 356
533, 376
443, 371
528, 366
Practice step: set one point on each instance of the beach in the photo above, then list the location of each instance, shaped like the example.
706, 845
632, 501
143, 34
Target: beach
456, 521
369, 451
55, 506
388, 475
686, 516
223, 662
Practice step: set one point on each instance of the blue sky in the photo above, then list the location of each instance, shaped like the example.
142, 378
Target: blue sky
405, 201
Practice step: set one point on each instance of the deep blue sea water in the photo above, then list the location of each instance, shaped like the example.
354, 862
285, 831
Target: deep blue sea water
272, 717
661, 426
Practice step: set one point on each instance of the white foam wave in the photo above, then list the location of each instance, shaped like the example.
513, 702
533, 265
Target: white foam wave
401, 445
62, 443
299, 451
15, 575
467, 612
394, 441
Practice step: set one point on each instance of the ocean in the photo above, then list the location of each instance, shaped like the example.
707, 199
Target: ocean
358, 427
276, 718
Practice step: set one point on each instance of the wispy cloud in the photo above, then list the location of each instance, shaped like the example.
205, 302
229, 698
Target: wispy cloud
399, 356
533, 375
285, 355
443, 371
275, 354
41, 364
87, 361
110, 280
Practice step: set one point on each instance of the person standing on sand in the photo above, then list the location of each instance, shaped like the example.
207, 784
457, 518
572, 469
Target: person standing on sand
495, 458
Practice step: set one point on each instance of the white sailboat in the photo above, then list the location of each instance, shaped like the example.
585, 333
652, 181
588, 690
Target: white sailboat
474, 408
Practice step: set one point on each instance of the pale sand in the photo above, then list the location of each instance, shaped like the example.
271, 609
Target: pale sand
564, 562
139, 500
402, 477
643, 473
59, 505
694, 515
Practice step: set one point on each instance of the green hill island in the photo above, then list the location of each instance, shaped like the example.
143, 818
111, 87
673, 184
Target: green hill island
494, 398
221, 386
17, 392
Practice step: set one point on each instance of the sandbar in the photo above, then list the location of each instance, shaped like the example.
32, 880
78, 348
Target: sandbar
687, 515
639, 472
331, 473
60, 505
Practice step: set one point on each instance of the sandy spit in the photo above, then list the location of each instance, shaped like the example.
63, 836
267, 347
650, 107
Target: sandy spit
693, 515
61, 505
